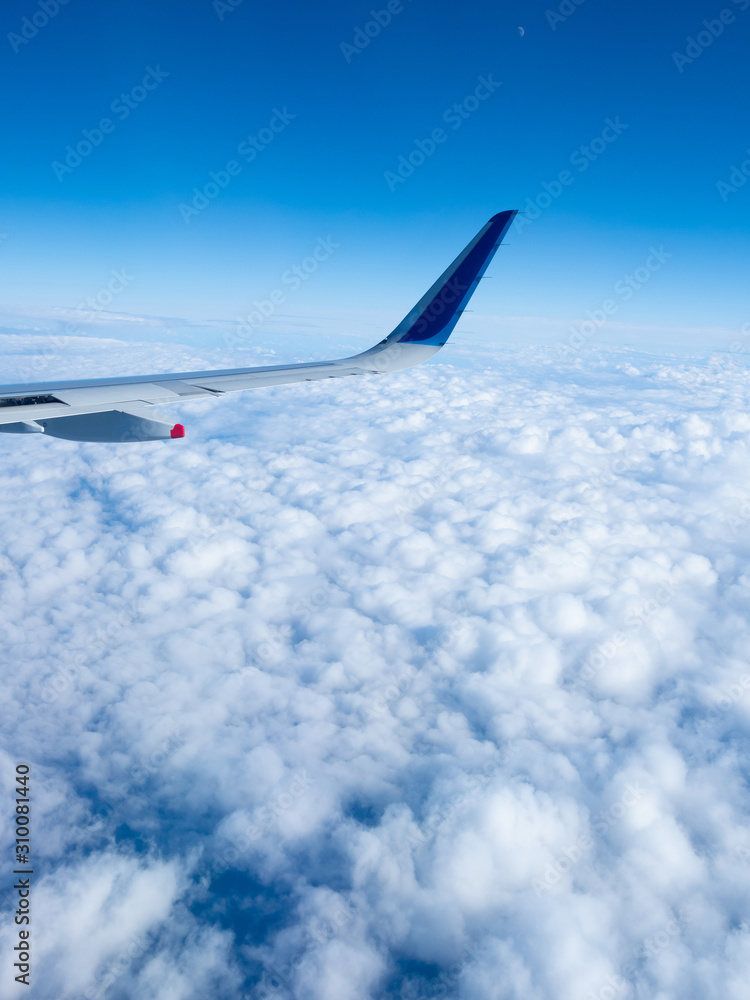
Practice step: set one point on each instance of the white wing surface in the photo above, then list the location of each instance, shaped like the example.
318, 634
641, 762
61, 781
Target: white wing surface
119, 409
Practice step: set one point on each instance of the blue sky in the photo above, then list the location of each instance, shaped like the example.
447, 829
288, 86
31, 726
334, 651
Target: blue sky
222, 73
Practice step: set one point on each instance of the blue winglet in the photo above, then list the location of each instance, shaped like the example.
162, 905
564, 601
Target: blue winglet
434, 317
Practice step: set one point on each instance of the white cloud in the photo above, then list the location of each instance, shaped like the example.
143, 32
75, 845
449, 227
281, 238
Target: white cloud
391, 686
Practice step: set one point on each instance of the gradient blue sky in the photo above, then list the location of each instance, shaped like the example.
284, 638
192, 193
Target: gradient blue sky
324, 173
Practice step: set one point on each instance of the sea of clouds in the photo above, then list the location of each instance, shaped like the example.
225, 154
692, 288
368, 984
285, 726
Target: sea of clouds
427, 685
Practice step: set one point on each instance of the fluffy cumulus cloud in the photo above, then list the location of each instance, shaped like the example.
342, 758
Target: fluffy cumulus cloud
420, 686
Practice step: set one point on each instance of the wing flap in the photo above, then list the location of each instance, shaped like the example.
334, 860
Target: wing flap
259, 377
32, 411
147, 392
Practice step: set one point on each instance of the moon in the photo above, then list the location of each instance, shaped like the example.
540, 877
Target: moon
521, 32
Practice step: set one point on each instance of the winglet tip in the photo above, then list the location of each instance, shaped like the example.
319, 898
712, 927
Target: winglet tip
178, 431
504, 216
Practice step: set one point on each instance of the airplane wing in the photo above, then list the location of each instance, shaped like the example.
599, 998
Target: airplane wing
117, 409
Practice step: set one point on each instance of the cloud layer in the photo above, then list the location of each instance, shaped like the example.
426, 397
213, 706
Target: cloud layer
419, 686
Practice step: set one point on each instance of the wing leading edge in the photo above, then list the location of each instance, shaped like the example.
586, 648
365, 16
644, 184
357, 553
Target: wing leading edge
119, 409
